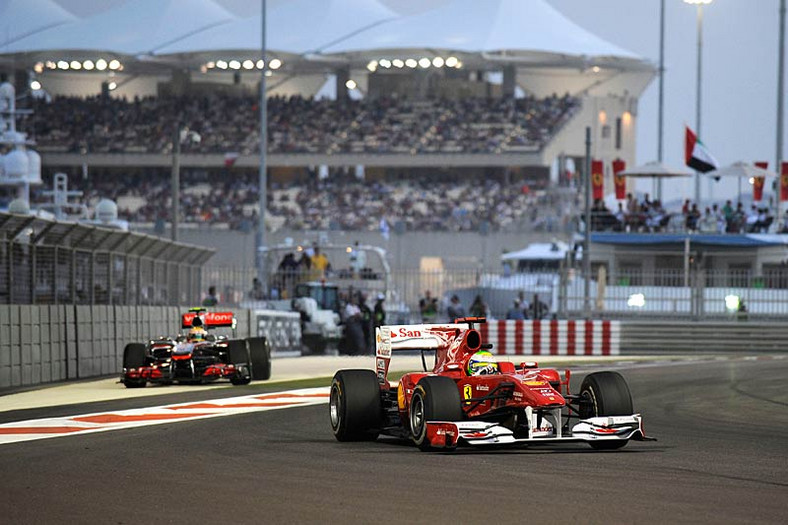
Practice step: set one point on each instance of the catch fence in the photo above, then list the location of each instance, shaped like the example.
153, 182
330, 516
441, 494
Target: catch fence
693, 294
53, 262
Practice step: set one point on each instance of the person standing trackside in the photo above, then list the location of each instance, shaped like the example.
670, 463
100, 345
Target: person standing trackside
379, 313
428, 306
211, 299
455, 309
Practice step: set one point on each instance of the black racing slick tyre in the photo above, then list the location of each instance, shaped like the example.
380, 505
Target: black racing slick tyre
260, 352
134, 357
238, 355
605, 394
355, 405
435, 398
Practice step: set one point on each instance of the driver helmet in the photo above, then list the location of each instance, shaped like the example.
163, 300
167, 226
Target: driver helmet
196, 334
482, 362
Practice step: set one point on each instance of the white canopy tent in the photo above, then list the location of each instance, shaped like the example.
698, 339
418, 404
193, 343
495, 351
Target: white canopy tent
132, 28
488, 26
25, 19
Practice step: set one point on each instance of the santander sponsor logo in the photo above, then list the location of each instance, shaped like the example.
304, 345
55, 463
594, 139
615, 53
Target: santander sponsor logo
404, 332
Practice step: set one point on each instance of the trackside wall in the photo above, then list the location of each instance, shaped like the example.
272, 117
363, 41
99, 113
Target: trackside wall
49, 343
553, 337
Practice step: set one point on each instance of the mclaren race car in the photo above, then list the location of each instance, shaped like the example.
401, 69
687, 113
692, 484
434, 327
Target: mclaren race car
471, 398
197, 356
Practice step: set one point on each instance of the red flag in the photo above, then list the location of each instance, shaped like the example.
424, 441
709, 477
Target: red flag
757, 185
619, 180
597, 179
784, 182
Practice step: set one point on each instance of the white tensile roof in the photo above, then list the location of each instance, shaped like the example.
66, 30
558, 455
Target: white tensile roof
20, 19
294, 26
484, 26
132, 28
330, 27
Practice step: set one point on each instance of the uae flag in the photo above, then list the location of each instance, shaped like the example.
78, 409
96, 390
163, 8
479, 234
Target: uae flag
696, 156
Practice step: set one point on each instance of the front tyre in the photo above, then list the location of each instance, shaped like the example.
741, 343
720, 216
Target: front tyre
355, 406
134, 356
605, 394
435, 398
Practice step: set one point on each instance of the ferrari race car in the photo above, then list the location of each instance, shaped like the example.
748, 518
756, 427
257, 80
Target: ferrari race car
197, 356
450, 406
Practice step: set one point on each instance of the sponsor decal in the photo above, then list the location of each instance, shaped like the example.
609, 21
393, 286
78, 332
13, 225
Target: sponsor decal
482, 388
401, 397
535, 383
467, 393
517, 395
404, 332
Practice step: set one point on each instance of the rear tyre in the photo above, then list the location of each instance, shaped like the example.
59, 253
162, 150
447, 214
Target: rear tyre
435, 398
260, 352
238, 355
354, 405
605, 394
134, 357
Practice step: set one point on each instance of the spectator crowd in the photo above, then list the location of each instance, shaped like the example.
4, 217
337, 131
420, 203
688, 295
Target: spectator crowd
222, 123
340, 202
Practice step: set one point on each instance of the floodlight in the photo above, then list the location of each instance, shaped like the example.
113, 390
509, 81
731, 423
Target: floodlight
397, 62
35, 85
210, 65
248, 64
51, 65
62, 64
112, 85
732, 302
101, 64
75, 64
275, 63
114, 64
636, 300
350, 84
234, 64
88, 65
260, 64
384, 62
437, 62
372, 65
411, 63
452, 62
38, 67
425, 62
221, 64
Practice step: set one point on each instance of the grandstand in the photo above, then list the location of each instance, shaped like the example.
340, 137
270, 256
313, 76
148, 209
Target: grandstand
416, 103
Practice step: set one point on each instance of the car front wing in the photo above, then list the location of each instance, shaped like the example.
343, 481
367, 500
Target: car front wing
448, 434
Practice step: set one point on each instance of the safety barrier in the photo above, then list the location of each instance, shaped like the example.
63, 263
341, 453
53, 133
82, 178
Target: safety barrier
553, 337
49, 343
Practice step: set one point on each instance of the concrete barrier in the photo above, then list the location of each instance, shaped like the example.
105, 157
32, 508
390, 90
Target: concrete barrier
48, 343
553, 337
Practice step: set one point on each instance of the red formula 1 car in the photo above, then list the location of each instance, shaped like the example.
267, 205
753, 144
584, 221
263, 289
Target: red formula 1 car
449, 406
197, 356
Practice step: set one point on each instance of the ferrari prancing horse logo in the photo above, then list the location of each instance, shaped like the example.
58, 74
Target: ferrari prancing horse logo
467, 393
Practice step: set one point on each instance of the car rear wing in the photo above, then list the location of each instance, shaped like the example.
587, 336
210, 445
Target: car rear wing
393, 338
209, 319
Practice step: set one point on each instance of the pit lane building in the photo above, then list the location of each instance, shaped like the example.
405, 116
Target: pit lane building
346, 48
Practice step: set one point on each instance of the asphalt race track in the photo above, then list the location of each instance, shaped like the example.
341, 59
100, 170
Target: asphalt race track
722, 457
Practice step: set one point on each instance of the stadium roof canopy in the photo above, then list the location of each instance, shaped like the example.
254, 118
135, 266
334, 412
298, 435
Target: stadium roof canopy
309, 34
